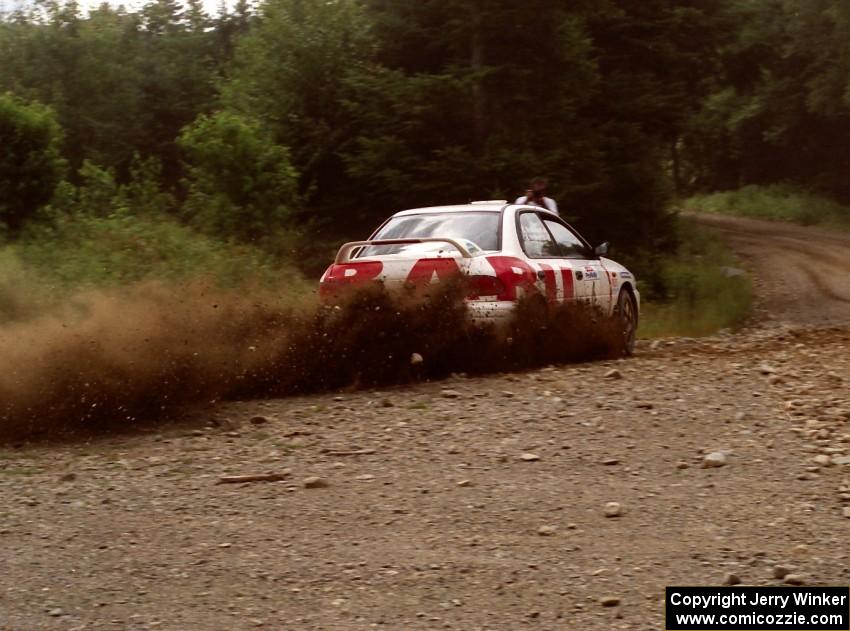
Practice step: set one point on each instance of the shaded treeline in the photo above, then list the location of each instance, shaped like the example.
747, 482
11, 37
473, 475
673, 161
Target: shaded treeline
319, 118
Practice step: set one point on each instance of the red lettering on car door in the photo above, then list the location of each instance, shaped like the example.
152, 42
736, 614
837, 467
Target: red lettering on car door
513, 273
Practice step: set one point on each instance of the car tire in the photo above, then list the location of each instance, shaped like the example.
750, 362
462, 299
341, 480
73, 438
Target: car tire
627, 320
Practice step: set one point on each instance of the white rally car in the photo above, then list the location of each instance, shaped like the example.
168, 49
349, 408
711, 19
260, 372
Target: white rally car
505, 251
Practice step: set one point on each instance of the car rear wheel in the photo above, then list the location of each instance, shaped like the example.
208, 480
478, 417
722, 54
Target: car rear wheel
627, 320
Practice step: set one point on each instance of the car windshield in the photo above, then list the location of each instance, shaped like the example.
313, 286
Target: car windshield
474, 230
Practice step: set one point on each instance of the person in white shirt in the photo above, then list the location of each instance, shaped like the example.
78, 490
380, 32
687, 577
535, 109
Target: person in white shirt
536, 196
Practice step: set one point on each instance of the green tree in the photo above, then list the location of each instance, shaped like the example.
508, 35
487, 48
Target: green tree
178, 64
475, 97
240, 184
291, 72
466, 100
30, 163
82, 68
779, 109
121, 83
230, 26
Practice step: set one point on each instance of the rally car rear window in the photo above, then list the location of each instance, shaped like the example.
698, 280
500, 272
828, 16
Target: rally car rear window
482, 228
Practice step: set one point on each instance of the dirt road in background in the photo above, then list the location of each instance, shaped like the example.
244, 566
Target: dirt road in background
802, 273
564, 498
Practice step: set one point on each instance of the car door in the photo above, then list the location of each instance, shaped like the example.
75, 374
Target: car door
555, 273
590, 279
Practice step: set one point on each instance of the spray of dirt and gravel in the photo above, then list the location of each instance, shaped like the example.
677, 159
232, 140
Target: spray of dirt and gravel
561, 498
111, 360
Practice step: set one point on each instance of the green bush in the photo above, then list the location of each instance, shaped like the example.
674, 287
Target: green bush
778, 201
76, 250
102, 232
240, 184
100, 195
30, 163
704, 290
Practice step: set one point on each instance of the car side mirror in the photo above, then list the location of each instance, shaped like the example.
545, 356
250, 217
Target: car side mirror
601, 249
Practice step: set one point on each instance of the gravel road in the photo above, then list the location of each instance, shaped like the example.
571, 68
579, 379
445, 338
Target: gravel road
563, 498
803, 274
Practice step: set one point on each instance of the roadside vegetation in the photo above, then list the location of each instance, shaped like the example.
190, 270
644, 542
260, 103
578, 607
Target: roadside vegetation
782, 202
162, 145
49, 266
705, 289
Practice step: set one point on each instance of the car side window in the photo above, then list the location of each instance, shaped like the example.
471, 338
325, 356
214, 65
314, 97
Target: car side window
536, 240
568, 244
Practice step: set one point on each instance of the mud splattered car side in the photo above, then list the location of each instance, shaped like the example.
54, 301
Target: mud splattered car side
504, 252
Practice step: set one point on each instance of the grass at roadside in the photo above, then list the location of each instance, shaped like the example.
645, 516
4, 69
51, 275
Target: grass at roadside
777, 202
54, 260
703, 288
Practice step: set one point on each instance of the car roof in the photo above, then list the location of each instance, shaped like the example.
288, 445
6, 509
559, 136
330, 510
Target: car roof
484, 206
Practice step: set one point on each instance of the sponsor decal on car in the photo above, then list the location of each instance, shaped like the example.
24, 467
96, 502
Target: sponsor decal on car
590, 274
625, 275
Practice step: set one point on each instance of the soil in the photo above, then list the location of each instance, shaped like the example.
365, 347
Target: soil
505, 502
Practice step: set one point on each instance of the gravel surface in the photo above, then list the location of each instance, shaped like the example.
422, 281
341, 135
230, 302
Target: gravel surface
563, 498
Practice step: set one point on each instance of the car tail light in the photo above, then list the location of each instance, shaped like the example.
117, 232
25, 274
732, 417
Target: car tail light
482, 285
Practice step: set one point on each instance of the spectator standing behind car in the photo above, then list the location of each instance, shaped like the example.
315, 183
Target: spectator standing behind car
536, 196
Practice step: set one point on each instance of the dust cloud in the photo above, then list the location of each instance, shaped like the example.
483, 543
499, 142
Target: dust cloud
116, 360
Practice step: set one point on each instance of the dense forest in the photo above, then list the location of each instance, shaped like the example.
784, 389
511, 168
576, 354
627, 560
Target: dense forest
306, 120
